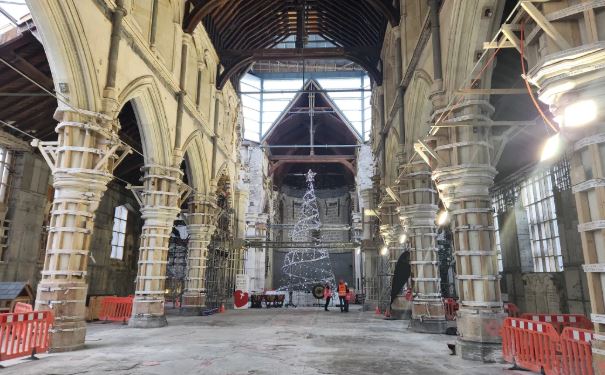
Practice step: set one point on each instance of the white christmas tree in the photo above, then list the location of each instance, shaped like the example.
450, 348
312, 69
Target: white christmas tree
308, 265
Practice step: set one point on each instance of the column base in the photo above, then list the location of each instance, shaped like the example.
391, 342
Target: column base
479, 335
401, 309
67, 337
142, 321
479, 351
191, 310
428, 326
192, 304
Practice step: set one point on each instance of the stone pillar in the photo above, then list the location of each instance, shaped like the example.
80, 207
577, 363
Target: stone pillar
82, 161
200, 225
160, 200
417, 214
463, 174
567, 78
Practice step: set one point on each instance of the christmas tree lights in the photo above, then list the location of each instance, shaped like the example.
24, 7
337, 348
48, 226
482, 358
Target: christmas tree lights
307, 266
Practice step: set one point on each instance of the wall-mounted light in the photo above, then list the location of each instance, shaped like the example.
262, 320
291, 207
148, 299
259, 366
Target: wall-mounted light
384, 250
579, 113
403, 238
443, 217
552, 147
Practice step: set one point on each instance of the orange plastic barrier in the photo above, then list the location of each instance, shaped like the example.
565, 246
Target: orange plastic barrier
451, 306
21, 307
24, 334
116, 309
576, 352
559, 321
511, 309
530, 345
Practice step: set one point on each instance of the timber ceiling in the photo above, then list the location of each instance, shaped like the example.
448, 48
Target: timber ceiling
25, 106
335, 165
245, 31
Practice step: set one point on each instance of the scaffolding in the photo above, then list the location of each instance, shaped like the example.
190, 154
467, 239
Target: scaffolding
176, 268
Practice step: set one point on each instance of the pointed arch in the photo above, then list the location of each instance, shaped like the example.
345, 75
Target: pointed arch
151, 119
68, 52
197, 163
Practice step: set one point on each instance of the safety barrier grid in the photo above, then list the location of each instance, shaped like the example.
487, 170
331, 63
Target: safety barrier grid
560, 321
116, 309
24, 334
451, 306
530, 345
576, 352
21, 307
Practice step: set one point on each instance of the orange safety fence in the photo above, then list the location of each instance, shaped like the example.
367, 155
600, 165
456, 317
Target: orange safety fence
576, 352
451, 306
511, 309
559, 321
24, 334
530, 345
21, 307
117, 309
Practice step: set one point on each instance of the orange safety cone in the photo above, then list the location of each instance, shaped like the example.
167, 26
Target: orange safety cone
222, 309
377, 312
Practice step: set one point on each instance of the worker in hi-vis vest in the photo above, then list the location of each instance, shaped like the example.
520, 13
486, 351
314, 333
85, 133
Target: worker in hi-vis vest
343, 290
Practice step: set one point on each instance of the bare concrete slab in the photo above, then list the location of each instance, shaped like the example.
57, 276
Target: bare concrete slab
254, 342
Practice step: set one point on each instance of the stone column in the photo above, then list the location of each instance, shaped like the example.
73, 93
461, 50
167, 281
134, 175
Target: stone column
82, 161
575, 77
200, 224
417, 214
160, 200
463, 174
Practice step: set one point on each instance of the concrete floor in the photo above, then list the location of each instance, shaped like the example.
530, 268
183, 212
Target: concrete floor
274, 341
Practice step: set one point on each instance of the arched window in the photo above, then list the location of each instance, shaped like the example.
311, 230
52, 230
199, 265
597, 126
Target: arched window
120, 218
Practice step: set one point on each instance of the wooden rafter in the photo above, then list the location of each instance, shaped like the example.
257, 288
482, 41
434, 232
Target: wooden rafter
244, 27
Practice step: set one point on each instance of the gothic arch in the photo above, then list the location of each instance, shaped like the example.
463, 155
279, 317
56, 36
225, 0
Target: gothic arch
418, 100
151, 119
67, 50
197, 163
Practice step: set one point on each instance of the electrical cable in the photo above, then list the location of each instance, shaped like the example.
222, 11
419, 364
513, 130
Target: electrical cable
531, 94
55, 95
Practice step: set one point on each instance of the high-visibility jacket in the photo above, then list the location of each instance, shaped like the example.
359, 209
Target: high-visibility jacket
342, 289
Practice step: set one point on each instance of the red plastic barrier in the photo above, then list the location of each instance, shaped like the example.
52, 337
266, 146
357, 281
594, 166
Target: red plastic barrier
530, 345
451, 306
116, 309
21, 307
576, 352
24, 334
559, 321
511, 309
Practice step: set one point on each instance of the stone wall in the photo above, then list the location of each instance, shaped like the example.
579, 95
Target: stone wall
29, 205
554, 292
112, 276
